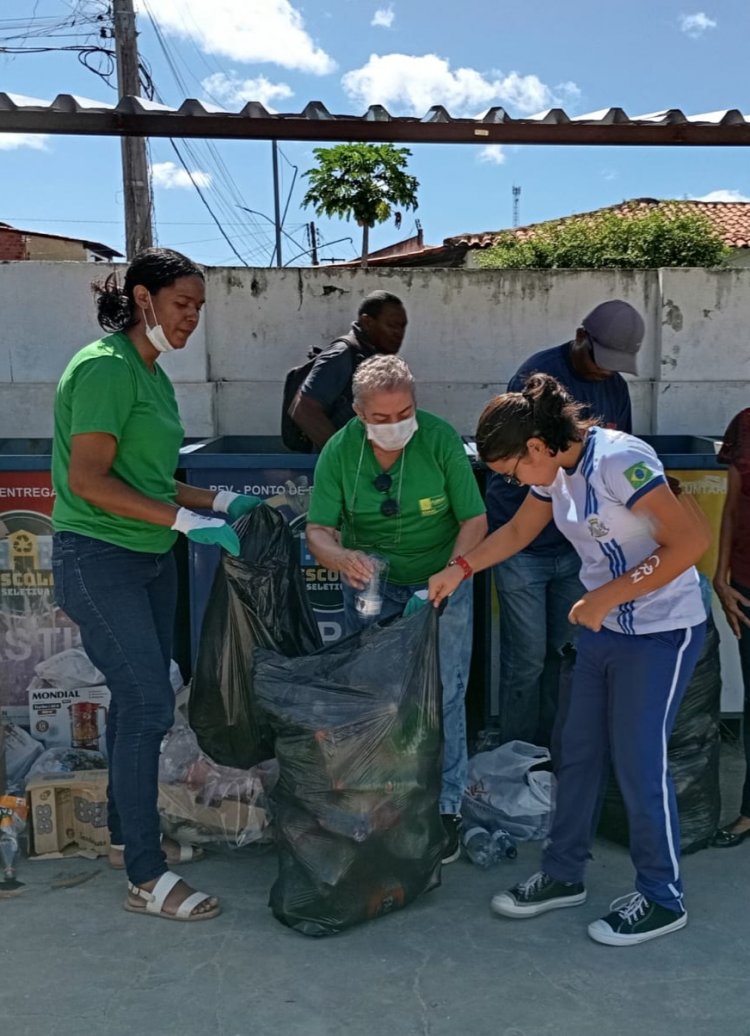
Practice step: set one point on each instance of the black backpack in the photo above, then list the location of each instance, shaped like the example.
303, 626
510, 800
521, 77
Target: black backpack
291, 434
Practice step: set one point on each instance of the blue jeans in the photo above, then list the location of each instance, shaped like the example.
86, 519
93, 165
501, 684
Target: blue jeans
455, 660
624, 698
124, 604
536, 593
744, 645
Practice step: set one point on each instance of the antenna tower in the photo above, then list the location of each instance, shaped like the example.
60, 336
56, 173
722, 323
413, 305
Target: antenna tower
516, 207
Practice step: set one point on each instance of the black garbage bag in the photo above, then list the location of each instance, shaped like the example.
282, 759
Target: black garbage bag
257, 600
693, 755
358, 734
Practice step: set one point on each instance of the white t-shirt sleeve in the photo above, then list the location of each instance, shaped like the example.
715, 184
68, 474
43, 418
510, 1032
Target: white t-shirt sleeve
631, 472
541, 493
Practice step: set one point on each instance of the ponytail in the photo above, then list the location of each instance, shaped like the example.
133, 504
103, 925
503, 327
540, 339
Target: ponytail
543, 410
114, 310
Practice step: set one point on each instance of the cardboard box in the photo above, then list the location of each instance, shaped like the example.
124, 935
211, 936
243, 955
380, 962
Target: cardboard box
231, 822
68, 814
66, 718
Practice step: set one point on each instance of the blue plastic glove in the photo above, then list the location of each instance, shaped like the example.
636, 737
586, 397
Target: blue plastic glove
416, 601
213, 531
234, 504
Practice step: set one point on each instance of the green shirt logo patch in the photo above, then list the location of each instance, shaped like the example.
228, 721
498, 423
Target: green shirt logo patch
639, 475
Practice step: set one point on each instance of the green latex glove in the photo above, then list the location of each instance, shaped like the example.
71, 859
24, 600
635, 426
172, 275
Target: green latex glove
235, 504
242, 505
213, 531
415, 602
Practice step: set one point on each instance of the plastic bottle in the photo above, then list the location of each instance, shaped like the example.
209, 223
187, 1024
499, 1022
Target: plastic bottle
478, 847
13, 812
369, 599
8, 848
502, 846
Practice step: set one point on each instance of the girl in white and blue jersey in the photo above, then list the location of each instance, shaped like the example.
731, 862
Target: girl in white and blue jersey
643, 626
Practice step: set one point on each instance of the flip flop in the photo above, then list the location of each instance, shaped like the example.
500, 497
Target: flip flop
155, 899
187, 854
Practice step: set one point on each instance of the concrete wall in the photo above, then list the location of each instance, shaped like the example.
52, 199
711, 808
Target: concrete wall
469, 330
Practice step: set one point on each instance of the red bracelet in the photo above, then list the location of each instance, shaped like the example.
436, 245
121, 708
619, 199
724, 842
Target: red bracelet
463, 564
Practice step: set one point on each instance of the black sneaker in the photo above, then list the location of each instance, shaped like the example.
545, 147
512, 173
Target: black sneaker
452, 828
537, 895
635, 919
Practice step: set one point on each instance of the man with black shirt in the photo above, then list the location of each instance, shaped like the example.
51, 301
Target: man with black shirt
324, 401
538, 586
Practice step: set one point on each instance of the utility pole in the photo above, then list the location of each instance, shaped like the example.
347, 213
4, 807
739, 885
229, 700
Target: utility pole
276, 201
312, 239
135, 177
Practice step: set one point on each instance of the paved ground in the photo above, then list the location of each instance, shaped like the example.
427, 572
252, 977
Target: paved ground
73, 962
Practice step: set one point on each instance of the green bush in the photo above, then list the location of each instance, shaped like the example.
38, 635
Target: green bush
610, 240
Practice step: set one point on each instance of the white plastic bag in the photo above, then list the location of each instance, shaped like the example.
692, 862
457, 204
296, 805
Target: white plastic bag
69, 670
505, 791
202, 803
21, 750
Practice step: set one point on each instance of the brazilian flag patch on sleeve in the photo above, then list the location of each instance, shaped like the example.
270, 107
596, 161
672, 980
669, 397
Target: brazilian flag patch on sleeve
639, 475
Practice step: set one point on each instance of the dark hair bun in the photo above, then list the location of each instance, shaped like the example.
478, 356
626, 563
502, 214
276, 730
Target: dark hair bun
554, 410
114, 310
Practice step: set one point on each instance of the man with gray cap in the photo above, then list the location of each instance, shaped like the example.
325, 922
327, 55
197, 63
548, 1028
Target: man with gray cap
538, 586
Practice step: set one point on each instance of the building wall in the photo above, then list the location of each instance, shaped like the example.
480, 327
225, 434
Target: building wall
54, 249
468, 332
12, 245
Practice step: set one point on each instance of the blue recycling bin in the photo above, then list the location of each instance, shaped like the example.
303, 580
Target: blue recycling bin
684, 452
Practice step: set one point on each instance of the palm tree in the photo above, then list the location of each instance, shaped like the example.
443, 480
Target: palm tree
364, 181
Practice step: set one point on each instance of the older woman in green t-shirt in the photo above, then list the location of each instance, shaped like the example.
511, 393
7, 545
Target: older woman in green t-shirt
395, 484
117, 513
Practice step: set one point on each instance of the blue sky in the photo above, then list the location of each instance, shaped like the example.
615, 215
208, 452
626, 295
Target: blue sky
407, 54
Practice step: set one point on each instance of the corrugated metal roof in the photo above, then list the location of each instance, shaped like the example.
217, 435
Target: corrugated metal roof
135, 116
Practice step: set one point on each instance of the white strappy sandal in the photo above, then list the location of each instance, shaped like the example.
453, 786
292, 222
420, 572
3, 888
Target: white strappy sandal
186, 854
155, 899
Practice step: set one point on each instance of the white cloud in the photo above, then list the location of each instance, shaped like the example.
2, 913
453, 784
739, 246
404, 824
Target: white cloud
408, 83
173, 177
493, 154
383, 17
244, 30
231, 91
14, 141
609, 174
722, 195
696, 24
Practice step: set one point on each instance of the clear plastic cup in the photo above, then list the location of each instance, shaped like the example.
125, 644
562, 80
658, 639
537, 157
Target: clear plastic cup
369, 600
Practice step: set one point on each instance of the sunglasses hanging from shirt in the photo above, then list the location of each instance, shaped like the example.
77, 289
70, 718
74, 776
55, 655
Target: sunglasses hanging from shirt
389, 508
384, 483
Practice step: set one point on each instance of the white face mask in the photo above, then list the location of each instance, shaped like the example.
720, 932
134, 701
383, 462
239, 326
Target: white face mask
156, 334
392, 436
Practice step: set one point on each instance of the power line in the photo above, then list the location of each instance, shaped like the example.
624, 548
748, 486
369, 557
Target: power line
208, 207
222, 176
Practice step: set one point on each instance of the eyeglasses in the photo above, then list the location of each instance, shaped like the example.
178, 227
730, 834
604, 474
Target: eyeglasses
510, 478
383, 483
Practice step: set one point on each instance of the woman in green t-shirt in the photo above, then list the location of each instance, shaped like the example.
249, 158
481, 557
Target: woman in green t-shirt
117, 513
395, 484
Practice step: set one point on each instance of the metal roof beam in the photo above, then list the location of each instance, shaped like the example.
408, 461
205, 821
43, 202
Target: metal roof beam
138, 118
